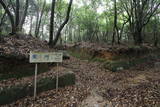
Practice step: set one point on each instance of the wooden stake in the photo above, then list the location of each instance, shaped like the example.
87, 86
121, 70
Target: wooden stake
35, 81
57, 79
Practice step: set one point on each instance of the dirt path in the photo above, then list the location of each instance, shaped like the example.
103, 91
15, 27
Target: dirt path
106, 86
97, 87
94, 100
91, 76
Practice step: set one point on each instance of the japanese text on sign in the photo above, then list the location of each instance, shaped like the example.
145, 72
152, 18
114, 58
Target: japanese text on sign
42, 57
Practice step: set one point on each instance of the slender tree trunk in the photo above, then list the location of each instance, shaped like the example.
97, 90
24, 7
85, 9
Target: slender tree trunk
121, 32
24, 15
138, 37
2, 19
42, 33
10, 16
31, 24
118, 36
63, 24
79, 34
37, 20
155, 32
106, 36
122, 28
70, 33
115, 22
17, 15
65, 36
44, 21
52, 23
40, 19
113, 37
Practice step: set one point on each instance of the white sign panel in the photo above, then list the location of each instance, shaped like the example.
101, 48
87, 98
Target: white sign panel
45, 57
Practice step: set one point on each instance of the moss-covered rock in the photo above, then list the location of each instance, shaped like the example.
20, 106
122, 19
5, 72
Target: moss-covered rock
10, 94
13, 93
116, 65
126, 64
11, 70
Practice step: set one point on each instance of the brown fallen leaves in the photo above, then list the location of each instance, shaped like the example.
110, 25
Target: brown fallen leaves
143, 95
19, 46
108, 51
67, 97
118, 88
30, 79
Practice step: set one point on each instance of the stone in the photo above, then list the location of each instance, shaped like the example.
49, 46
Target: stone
120, 68
15, 92
65, 55
157, 66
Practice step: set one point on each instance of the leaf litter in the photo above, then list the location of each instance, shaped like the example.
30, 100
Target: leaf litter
116, 88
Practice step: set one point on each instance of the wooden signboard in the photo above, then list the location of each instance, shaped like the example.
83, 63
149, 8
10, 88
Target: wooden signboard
44, 57
40, 57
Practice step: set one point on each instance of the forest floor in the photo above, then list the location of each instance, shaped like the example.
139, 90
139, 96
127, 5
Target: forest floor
95, 85
98, 87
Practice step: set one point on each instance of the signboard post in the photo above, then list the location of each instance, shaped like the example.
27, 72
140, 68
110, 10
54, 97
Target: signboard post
35, 81
57, 79
44, 57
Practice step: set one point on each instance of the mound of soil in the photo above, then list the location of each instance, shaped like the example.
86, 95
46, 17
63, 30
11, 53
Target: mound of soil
19, 46
108, 51
15, 49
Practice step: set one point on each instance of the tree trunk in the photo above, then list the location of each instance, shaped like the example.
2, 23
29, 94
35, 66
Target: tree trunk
2, 19
17, 15
70, 33
118, 36
79, 34
138, 37
155, 31
37, 20
31, 24
115, 22
65, 36
44, 21
63, 24
24, 15
52, 23
122, 28
40, 19
10, 16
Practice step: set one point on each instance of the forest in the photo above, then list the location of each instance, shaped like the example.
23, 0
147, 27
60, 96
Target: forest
80, 53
